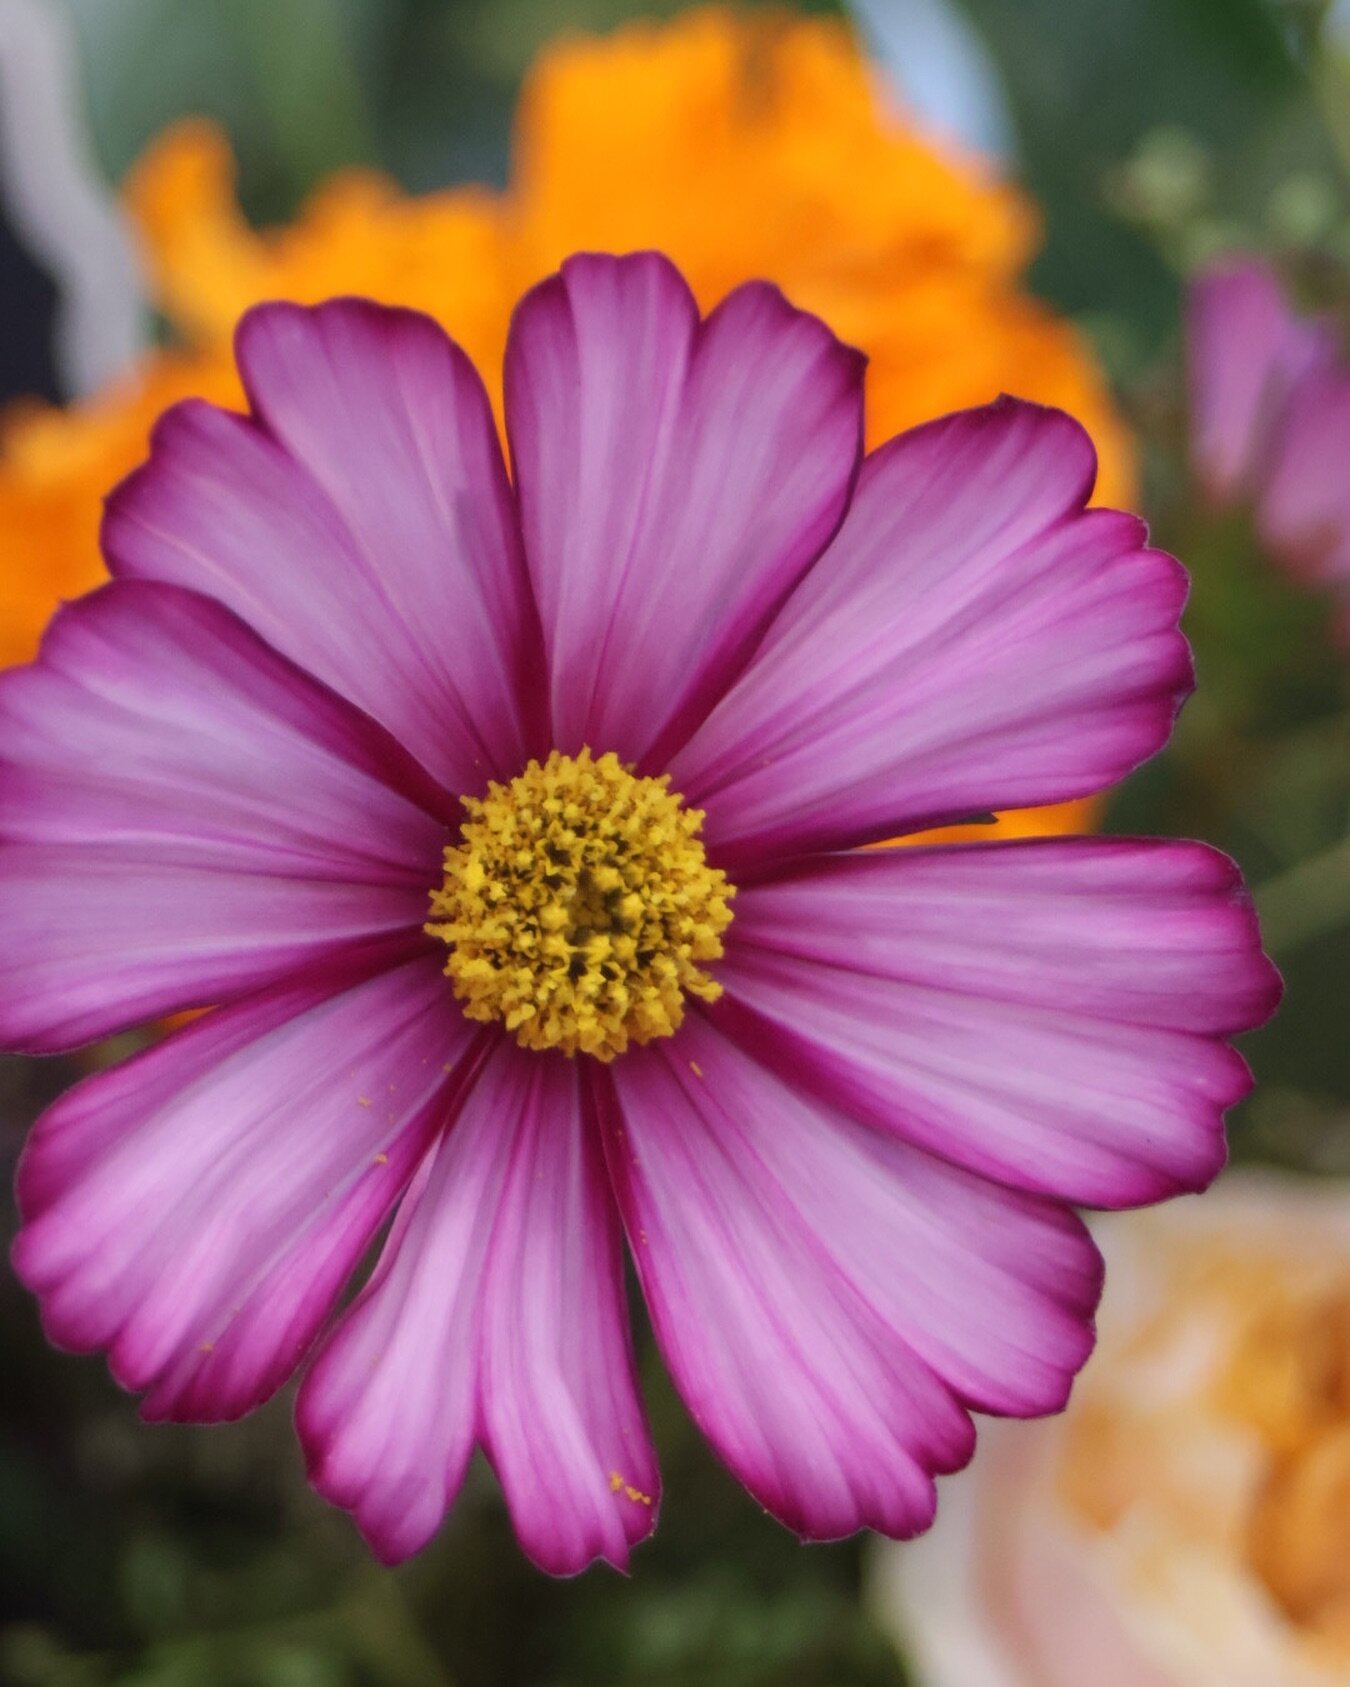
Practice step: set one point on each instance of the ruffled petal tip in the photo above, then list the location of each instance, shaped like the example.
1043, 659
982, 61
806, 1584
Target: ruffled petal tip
495, 1317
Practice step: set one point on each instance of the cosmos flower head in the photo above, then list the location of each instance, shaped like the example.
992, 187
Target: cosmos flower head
514, 826
1270, 418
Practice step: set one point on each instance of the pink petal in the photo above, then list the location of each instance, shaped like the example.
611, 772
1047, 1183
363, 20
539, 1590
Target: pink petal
1246, 350
360, 520
827, 1298
676, 479
185, 816
1303, 507
496, 1314
973, 639
1050, 1014
197, 1210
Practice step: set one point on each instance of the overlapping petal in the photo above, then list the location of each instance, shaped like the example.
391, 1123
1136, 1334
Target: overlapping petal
974, 638
496, 1314
676, 478
197, 1209
361, 521
828, 1298
1049, 1014
186, 816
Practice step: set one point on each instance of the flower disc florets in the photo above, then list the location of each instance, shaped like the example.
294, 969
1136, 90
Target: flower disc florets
578, 905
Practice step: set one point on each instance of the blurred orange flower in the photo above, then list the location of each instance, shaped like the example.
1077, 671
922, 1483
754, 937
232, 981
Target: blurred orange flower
742, 146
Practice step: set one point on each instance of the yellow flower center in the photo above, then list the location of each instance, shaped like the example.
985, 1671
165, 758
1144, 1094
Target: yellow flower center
578, 905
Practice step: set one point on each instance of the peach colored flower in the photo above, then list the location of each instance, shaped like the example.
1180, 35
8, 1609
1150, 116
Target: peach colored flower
1187, 1522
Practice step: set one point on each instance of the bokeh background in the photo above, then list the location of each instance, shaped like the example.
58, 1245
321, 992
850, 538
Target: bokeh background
1148, 136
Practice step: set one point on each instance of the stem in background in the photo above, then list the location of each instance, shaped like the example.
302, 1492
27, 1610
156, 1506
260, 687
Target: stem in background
1307, 900
1331, 84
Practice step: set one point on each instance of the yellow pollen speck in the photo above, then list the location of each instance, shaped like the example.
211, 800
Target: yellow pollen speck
695, 1068
206, 1347
381, 1159
617, 1485
577, 906
363, 1101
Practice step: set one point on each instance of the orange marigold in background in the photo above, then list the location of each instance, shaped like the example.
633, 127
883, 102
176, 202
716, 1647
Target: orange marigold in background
742, 146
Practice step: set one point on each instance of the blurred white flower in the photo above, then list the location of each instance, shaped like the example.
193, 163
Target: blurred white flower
1187, 1522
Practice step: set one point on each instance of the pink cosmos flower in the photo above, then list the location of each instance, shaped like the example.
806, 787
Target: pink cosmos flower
1270, 417
601, 742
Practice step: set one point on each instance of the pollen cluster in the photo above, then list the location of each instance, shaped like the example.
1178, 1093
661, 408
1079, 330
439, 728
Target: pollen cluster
578, 906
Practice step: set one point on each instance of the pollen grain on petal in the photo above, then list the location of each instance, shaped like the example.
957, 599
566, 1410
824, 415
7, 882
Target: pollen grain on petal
618, 1485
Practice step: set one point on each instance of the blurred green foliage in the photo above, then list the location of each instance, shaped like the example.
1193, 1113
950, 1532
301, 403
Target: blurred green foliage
1152, 131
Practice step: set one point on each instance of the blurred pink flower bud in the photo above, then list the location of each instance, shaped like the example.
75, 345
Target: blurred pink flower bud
1270, 417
